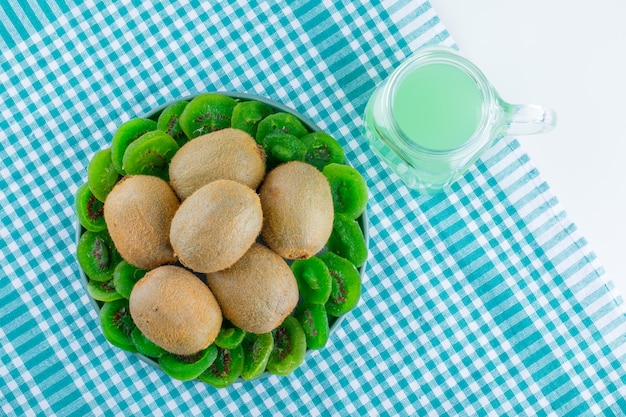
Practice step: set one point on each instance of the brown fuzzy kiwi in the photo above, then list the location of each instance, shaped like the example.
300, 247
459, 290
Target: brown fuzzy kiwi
298, 210
225, 154
175, 310
216, 225
257, 292
138, 212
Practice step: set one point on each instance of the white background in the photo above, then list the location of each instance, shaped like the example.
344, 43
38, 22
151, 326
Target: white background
570, 56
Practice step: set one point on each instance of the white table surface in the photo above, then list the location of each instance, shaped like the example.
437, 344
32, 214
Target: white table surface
571, 56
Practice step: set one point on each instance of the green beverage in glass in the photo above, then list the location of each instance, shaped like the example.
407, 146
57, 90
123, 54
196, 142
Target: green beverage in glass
435, 115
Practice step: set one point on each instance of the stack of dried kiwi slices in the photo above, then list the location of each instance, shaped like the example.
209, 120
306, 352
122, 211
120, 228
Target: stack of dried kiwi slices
221, 237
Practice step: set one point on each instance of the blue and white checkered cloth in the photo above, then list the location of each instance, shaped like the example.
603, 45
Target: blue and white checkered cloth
480, 301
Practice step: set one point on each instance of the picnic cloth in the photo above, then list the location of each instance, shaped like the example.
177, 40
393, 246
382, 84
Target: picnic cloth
482, 300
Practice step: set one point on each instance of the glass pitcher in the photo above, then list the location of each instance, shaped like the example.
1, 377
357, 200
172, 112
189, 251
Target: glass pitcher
437, 113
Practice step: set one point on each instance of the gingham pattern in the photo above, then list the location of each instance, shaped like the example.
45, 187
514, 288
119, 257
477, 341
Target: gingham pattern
480, 301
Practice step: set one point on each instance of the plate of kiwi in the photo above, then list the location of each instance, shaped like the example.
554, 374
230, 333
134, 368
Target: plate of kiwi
221, 237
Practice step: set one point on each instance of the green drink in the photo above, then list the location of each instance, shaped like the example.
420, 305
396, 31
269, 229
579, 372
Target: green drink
436, 114
437, 107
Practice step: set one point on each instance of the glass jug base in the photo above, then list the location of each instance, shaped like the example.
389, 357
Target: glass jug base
424, 183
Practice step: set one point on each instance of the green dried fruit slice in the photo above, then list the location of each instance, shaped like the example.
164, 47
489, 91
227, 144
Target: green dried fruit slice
207, 113
347, 241
125, 276
280, 123
230, 336
127, 133
150, 154
346, 284
280, 148
89, 210
348, 189
103, 290
314, 320
117, 324
169, 122
97, 255
313, 277
248, 114
101, 174
146, 346
257, 349
188, 367
289, 347
322, 149
225, 369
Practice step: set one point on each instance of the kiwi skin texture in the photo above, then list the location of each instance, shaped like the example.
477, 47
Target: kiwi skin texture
175, 310
138, 212
216, 225
257, 292
298, 209
224, 154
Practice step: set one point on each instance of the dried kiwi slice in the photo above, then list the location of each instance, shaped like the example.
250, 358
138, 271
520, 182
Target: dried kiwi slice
289, 347
117, 324
313, 277
146, 346
347, 241
207, 113
225, 369
103, 290
89, 210
280, 123
348, 189
97, 255
188, 367
169, 123
282, 147
322, 149
248, 114
101, 174
346, 284
230, 336
127, 133
125, 276
314, 321
257, 349
150, 154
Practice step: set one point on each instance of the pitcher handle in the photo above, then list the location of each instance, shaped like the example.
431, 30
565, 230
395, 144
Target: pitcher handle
528, 119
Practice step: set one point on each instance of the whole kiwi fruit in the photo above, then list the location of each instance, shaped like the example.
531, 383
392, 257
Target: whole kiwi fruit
175, 310
138, 212
216, 225
298, 210
224, 154
257, 292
